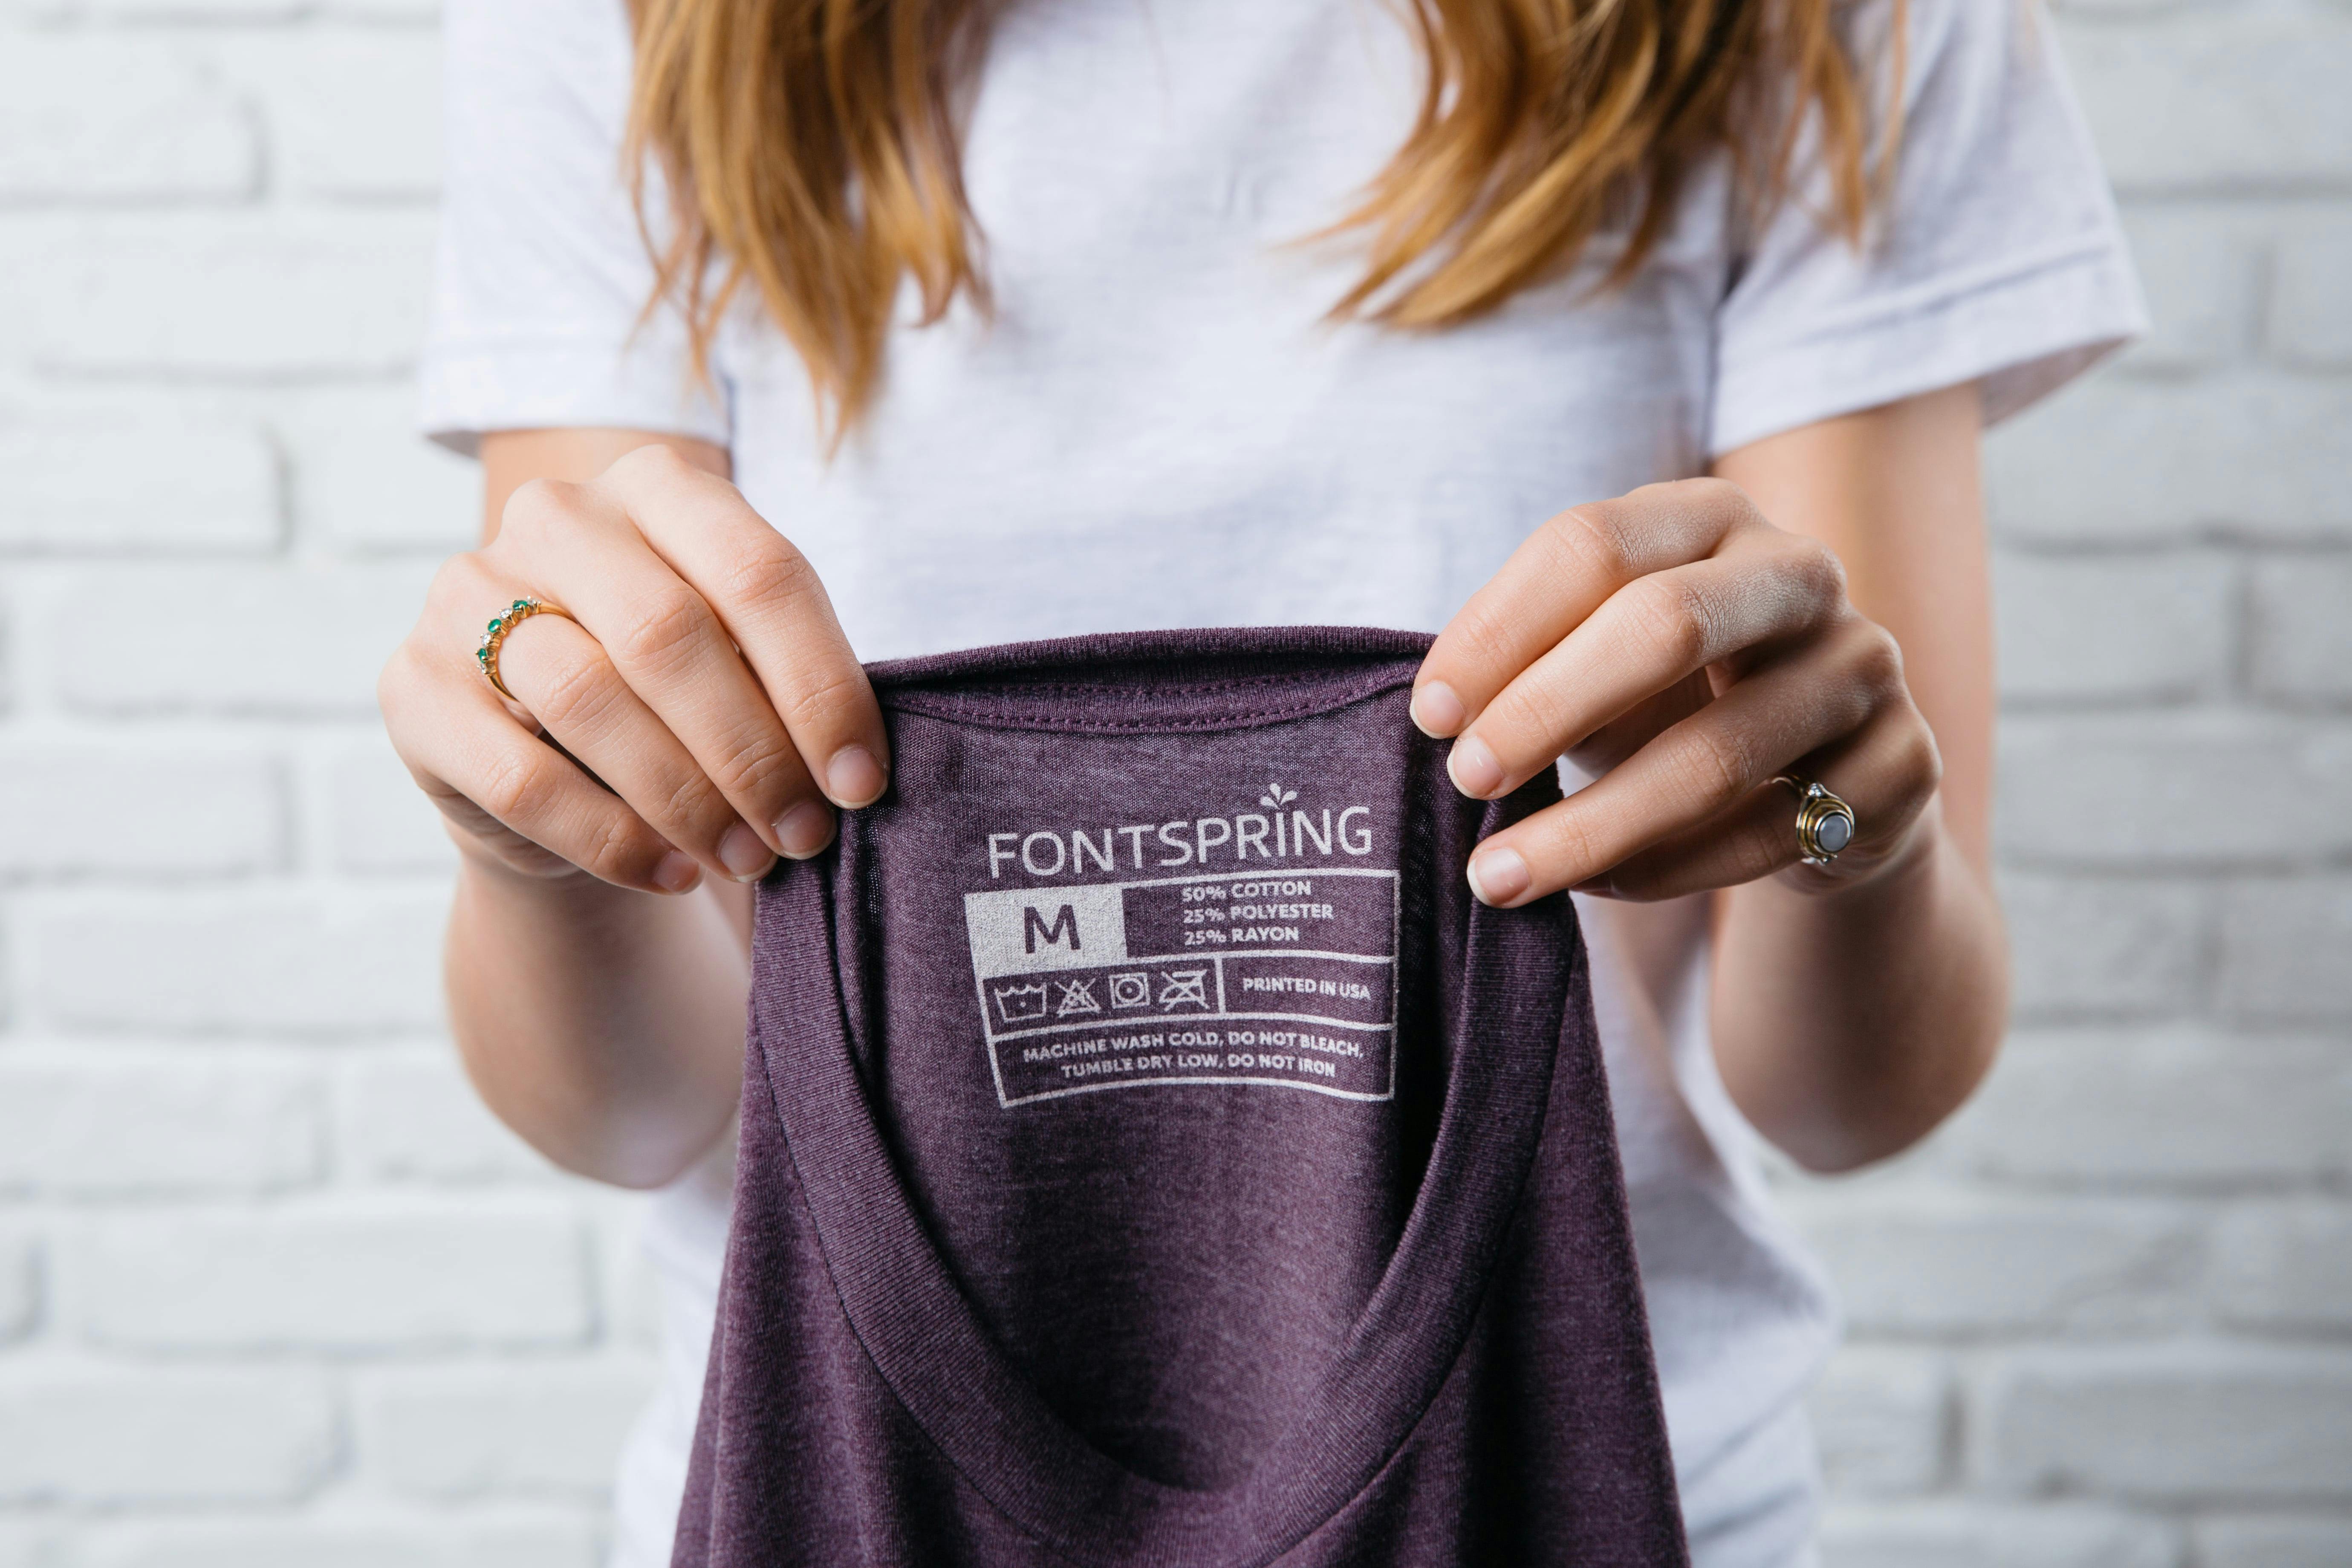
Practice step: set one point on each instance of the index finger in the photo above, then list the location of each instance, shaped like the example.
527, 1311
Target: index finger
768, 597
1555, 579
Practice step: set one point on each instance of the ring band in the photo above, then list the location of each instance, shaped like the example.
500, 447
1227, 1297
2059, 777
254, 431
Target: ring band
502, 623
1825, 824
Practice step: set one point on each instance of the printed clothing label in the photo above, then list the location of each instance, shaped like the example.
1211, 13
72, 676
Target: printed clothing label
1283, 978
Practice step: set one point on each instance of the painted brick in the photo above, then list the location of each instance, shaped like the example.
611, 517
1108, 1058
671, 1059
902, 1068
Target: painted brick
20, 1279
2301, 627
2269, 1541
349, 1537
2160, 1106
1970, 1535
628, 1293
378, 820
2080, 946
2284, 949
281, 639
411, 1117
93, 117
108, 1436
2113, 628
268, 293
2118, 460
2204, 102
463, 1432
291, 962
197, 486
2285, 1266
2151, 790
92, 1122
382, 10
10, 632
248, 11
356, 1276
350, 111
207, 11
29, 1545
145, 811
2310, 318
364, 480
2176, 1421
1880, 1416
1966, 1266
2199, 277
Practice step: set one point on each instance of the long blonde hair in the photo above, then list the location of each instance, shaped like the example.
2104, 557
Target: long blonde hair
810, 148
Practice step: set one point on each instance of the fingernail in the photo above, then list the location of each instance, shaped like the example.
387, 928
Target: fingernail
1436, 711
805, 829
677, 872
1497, 876
854, 777
745, 858
1475, 772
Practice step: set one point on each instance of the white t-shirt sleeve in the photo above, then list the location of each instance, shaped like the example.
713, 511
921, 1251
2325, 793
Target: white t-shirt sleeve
541, 275
1998, 258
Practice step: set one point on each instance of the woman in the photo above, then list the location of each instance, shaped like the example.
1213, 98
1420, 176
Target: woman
1090, 316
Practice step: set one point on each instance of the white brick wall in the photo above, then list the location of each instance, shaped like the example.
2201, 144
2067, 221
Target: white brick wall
2103, 1317
275, 1290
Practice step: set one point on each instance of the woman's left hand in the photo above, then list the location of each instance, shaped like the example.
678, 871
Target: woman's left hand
1680, 647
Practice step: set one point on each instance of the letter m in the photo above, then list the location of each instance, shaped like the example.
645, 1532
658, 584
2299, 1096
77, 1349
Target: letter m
1064, 923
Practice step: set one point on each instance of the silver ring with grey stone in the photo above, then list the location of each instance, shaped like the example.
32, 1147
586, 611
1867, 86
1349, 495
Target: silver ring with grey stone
1824, 822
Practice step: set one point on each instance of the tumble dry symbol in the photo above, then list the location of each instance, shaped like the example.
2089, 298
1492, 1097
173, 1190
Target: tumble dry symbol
1077, 996
1131, 991
1019, 1003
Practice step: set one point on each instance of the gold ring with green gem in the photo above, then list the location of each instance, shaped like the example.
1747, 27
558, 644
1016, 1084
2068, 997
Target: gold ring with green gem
502, 623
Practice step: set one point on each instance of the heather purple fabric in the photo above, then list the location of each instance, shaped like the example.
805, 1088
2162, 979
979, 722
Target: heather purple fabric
1151, 1154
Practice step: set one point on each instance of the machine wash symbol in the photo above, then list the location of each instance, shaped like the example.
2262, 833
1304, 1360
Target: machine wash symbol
1131, 991
1018, 1004
1185, 988
1077, 996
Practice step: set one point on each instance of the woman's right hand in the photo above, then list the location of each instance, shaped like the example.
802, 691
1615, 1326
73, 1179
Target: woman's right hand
703, 679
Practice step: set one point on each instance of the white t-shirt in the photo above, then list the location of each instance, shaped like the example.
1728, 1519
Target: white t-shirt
1158, 429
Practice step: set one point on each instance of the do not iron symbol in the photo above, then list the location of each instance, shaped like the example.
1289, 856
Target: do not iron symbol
1184, 988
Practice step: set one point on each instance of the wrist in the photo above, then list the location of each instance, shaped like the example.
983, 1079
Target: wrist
547, 889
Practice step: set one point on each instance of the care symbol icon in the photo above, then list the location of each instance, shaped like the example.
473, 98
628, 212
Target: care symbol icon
1185, 988
1077, 996
1019, 1002
1131, 991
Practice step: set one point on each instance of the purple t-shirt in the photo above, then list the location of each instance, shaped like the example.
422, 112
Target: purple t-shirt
1151, 1154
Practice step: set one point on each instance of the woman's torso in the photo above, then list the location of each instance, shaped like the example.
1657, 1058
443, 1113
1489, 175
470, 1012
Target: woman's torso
1157, 427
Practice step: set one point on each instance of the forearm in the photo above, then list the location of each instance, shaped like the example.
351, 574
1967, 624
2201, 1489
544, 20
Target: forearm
604, 1026
1848, 1024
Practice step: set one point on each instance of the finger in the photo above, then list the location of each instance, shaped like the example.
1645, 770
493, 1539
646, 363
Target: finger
578, 548
1887, 773
563, 678
771, 602
1561, 573
1640, 724
474, 758
1763, 587
1698, 769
